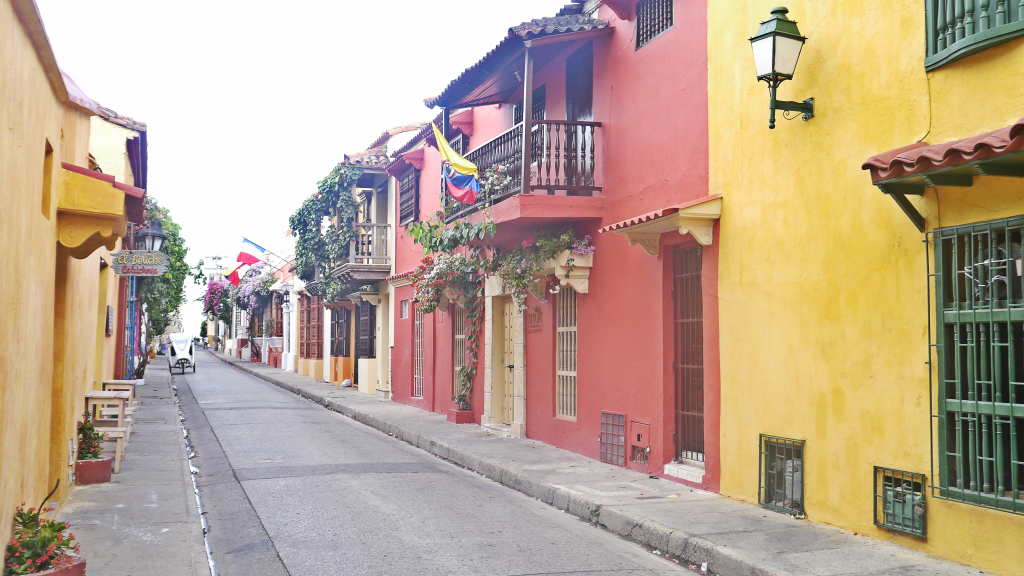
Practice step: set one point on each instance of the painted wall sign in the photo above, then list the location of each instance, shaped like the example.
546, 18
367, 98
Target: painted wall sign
138, 263
534, 320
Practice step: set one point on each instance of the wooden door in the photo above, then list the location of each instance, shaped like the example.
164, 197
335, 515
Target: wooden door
508, 404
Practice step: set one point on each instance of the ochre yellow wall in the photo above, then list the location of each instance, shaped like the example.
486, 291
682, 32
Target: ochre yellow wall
823, 302
107, 146
50, 302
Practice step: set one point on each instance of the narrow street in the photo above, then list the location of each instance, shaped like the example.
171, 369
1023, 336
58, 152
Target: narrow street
320, 494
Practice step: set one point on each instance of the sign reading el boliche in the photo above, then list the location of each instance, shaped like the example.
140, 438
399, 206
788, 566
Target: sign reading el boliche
139, 263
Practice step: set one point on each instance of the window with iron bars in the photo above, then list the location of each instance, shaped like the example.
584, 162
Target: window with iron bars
899, 501
613, 438
417, 354
458, 342
782, 474
653, 17
979, 347
408, 197
565, 354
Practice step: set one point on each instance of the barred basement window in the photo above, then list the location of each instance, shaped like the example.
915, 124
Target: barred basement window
652, 18
565, 354
782, 474
408, 197
979, 345
899, 501
613, 438
417, 354
458, 342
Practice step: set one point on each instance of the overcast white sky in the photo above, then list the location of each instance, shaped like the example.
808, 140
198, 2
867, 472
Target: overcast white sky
250, 102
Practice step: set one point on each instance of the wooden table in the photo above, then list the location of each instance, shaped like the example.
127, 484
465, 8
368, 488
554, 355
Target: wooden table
97, 398
121, 386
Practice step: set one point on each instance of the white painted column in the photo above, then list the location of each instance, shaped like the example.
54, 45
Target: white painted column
327, 344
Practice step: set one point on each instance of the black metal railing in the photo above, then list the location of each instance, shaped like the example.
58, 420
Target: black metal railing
562, 158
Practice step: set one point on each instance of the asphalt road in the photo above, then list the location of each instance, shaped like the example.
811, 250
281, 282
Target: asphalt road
290, 487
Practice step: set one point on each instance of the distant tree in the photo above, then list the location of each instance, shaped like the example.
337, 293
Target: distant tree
202, 329
163, 295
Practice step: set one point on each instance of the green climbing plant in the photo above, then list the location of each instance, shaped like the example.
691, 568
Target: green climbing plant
323, 229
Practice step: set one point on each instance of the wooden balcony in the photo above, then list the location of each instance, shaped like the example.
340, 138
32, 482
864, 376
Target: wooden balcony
562, 157
368, 259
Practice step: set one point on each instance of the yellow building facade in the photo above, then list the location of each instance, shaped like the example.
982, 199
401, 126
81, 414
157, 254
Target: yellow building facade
825, 310
59, 223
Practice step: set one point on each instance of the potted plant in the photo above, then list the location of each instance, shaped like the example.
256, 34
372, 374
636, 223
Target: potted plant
41, 547
90, 466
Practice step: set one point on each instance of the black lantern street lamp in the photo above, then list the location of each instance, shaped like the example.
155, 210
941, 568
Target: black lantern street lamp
777, 47
152, 236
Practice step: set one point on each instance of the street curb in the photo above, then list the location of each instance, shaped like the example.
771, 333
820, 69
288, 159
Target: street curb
687, 547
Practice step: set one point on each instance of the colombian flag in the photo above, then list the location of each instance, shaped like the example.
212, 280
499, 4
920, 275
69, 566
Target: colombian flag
460, 174
233, 276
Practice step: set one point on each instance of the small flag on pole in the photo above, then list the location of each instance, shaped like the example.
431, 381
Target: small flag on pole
461, 175
249, 250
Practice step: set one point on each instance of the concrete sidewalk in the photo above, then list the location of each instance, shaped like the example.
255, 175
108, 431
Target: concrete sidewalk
144, 522
733, 538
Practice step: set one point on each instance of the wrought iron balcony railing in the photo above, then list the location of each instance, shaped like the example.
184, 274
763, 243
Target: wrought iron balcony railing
562, 162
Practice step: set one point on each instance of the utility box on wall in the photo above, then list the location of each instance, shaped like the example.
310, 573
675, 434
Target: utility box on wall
639, 446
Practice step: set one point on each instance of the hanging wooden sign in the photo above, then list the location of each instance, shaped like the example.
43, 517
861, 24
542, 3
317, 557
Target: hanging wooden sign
139, 263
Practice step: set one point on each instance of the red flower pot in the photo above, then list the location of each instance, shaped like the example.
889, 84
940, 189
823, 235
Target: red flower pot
77, 567
92, 472
460, 416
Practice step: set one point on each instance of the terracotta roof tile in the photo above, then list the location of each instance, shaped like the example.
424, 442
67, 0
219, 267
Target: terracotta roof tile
372, 158
920, 157
391, 132
115, 118
526, 31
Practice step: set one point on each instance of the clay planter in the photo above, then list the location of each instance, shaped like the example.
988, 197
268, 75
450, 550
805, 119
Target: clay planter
90, 472
77, 567
460, 416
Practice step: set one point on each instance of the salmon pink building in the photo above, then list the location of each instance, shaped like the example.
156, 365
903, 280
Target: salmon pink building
599, 117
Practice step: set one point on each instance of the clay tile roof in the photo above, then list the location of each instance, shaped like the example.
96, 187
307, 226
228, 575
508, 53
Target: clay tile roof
556, 25
372, 158
655, 214
424, 132
536, 28
115, 118
920, 158
391, 132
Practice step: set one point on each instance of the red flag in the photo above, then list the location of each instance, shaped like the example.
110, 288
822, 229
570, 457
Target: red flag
246, 258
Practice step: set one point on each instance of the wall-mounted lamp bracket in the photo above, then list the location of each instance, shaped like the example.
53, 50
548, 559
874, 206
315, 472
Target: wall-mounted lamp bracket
806, 107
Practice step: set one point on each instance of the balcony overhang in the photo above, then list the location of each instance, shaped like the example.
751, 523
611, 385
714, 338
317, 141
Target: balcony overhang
497, 77
92, 209
696, 218
523, 213
349, 273
912, 169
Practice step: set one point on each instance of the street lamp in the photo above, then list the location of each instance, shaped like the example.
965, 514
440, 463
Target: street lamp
777, 45
152, 236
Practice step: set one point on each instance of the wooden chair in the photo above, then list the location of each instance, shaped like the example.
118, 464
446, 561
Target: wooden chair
117, 434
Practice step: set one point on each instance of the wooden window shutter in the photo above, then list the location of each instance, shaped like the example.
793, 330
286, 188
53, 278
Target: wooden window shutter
408, 197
